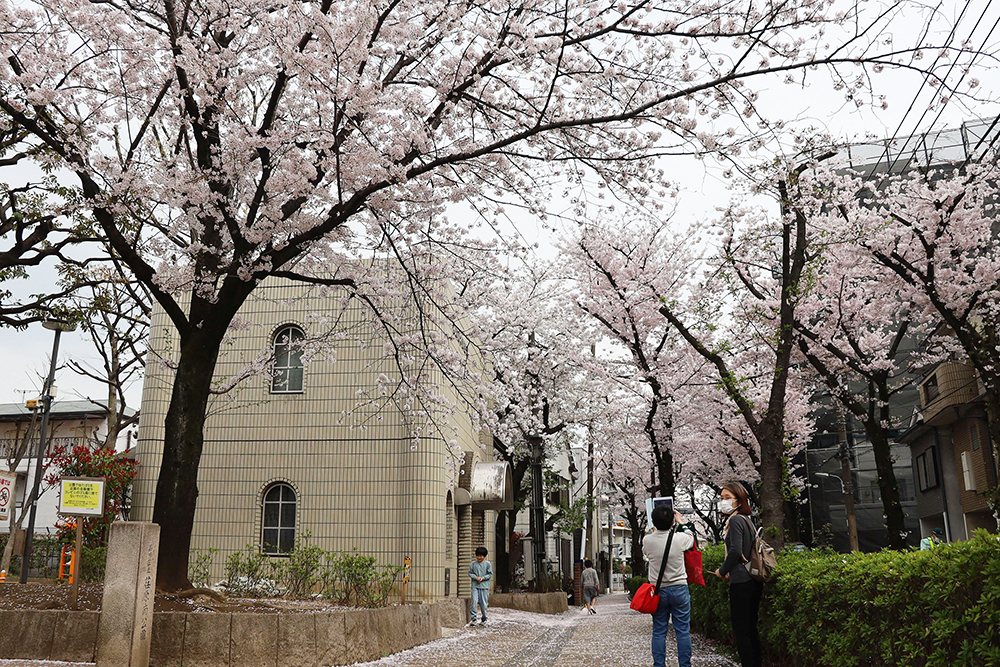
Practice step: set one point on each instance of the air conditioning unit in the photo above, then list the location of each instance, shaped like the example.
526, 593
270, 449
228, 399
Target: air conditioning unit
967, 473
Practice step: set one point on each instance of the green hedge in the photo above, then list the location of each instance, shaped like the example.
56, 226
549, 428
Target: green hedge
894, 609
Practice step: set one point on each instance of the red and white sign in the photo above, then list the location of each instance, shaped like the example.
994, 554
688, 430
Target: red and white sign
8, 481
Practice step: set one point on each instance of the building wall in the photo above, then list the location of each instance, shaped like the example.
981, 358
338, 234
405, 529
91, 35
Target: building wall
968, 434
952, 383
345, 444
930, 502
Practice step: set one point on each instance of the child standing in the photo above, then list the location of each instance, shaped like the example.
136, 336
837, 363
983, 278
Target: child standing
480, 571
589, 581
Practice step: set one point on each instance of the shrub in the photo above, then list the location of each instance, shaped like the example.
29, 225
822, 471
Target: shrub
358, 580
301, 571
200, 568
251, 573
632, 584
933, 608
94, 561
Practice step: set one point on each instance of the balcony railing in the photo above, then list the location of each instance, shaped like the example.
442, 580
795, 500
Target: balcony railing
8, 446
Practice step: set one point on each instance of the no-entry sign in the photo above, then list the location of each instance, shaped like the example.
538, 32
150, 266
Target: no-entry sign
7, 482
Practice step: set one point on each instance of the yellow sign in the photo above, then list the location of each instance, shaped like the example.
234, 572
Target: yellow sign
81, 496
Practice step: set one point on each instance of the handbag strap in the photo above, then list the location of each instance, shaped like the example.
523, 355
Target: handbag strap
663, 561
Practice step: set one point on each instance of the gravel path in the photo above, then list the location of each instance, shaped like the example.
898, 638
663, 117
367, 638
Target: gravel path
615, 636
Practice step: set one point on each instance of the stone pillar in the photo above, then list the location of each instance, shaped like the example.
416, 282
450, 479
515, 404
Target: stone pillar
464, 550
478, 529
123, 636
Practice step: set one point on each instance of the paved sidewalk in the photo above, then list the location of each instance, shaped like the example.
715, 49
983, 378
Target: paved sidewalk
615, 636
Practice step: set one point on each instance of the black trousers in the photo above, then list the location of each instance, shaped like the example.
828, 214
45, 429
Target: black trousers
744, 605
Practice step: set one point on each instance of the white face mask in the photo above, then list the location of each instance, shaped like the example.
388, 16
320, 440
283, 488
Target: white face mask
727, 506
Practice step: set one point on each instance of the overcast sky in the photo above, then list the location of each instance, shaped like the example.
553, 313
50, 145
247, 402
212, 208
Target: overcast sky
26, 352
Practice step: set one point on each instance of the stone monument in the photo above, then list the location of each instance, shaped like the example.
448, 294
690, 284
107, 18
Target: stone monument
123, 636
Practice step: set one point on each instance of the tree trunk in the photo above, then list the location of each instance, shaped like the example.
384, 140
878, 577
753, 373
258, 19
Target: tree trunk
115, 371
888, 486
772, 473
177, 485
664, 471
636, 560
8, 549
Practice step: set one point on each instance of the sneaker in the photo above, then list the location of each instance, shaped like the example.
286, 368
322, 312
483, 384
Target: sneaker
593, 611
482, 622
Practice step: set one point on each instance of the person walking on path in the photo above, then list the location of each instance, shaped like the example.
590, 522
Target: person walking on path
675, 599
480, 571
744, 591
590, 582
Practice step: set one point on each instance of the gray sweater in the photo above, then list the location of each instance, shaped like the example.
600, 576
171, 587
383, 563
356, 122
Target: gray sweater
589, 578
484, 570
739, 543
653, 546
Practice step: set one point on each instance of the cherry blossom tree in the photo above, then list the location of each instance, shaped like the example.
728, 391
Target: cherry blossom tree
935, 229
620, 271
864, 358
542, 394
218, 143
690, 433
762, 268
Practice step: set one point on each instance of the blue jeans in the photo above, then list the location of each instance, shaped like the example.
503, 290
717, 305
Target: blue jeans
480, 598
675, 601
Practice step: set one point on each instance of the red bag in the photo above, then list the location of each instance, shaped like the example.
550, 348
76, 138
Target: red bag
693, 565
644, 600
647, 599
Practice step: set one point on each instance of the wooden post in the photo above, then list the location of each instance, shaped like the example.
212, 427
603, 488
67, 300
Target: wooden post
76, 564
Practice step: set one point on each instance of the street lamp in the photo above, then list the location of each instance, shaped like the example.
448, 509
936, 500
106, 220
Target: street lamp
58, 327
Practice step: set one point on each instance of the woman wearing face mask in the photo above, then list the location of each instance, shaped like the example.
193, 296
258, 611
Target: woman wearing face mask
744, 592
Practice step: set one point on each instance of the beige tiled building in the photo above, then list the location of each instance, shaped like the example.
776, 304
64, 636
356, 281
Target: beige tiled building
320, 445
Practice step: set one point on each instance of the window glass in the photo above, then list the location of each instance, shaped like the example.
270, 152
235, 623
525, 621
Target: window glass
287, 373
278, 524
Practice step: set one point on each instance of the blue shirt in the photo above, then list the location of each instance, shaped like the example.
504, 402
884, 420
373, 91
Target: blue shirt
484, 570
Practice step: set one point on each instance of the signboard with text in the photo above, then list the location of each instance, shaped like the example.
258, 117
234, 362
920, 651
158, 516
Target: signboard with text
81, 496
8, 484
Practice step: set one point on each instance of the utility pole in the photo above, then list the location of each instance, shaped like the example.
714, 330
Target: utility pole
58, 327
611, 558
537, 496
847, 478
590, 494
537, 512
592, 538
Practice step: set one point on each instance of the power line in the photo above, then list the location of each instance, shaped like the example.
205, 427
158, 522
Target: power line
927, 76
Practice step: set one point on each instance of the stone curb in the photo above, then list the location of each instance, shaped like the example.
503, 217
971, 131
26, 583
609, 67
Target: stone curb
237, 639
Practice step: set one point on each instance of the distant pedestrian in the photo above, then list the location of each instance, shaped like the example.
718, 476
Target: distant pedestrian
480, 571
590, 582
744, 591
935, 538
675, 599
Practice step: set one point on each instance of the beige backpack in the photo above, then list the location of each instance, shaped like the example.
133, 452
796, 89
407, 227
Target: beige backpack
762, 559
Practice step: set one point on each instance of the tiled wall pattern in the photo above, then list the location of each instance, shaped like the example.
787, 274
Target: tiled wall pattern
343, 444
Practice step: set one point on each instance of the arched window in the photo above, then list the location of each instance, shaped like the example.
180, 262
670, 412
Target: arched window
287, 371
278, 527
